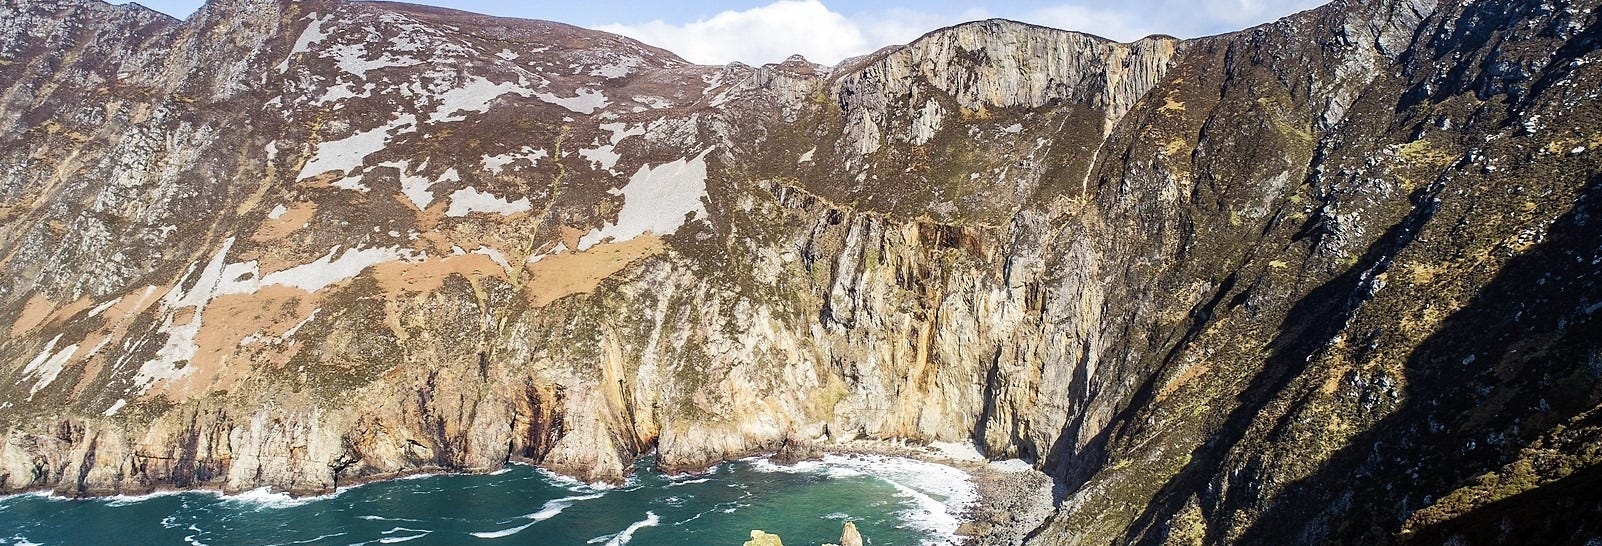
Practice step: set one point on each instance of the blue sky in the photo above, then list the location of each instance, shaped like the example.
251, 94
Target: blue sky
760, 31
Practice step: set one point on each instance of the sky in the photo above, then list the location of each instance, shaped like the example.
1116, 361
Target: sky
826, 31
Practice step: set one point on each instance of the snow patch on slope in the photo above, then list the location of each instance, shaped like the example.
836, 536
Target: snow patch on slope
48, 365
586, 101
605, 154
475, 96
180, 346
496, 163
220, 278
618, 67
349, 153
419, 189
335, 267
351, 59
469, 200
656, 200
313, 34
336, 93
497, 257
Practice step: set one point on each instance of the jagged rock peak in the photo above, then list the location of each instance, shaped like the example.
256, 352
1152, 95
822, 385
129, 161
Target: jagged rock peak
1002, 63
799, 65
973, 68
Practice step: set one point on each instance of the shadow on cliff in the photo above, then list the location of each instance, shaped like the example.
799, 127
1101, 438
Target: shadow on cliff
1562, 512
1307, 328
1524, 355
1435, 441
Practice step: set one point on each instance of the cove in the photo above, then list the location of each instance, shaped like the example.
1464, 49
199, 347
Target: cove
893, 501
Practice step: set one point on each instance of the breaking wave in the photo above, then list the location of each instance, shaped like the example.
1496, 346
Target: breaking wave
936, 494
549, 510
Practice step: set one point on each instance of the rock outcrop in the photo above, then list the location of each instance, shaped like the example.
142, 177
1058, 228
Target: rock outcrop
759, 538
1330, 279
849, 536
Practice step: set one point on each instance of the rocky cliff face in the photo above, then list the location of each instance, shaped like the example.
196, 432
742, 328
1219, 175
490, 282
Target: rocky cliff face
1328, 279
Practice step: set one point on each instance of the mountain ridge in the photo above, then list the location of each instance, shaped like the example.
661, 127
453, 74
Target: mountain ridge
1225, 289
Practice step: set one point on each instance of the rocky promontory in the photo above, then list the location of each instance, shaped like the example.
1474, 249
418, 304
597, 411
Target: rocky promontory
1328, 279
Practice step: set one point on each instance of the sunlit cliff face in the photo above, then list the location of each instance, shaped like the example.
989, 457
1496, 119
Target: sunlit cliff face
1264, 286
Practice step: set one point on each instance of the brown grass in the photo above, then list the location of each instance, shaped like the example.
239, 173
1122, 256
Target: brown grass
297, 217
555, 277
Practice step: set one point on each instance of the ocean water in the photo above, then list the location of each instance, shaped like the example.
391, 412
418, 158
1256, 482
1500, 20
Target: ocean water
893, 502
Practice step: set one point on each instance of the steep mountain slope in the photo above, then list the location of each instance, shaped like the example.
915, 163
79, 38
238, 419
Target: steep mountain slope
1328, 279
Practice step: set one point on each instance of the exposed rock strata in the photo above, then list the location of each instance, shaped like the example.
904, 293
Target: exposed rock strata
1231, 289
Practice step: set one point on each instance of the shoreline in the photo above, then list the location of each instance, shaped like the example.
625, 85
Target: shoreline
1010, 499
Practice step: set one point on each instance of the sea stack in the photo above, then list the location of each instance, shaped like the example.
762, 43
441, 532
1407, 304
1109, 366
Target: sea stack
850, 536
759, 538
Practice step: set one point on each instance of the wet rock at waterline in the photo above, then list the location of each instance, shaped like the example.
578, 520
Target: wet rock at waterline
1329, 279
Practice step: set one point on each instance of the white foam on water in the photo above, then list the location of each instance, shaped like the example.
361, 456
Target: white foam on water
311, 540
259, 498
19, 540
125, 500
579, 486
627, 534
263, 498
549, 510
393, 530
393, 540
382, 518
936, 493
505, 532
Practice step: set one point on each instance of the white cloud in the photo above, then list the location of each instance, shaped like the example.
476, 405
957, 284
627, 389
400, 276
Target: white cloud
1127, 20
900, 25
759, 35
1105, 23
771, 32
1250, 12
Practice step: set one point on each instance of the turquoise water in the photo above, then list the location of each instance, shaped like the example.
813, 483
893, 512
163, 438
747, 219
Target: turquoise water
892, 501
